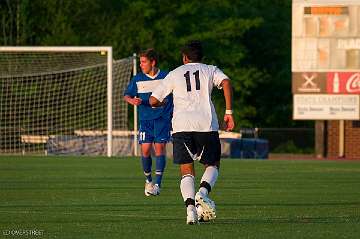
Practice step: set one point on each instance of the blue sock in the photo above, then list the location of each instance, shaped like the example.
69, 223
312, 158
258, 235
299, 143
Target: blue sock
146, 163
160, 167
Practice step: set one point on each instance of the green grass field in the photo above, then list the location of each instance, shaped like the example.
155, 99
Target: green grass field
78, 197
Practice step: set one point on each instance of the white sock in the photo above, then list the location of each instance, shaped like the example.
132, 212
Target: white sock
190, 208
210, 176
187, 187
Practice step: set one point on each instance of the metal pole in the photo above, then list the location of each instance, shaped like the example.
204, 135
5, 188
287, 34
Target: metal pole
109, 101
320, 138
135, 112
341, 138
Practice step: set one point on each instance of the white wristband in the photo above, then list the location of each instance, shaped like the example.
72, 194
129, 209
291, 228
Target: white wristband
228, 112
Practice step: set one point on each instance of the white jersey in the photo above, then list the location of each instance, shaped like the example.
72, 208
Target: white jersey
191, 85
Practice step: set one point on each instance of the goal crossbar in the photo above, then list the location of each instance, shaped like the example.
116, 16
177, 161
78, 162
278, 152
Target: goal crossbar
56, 48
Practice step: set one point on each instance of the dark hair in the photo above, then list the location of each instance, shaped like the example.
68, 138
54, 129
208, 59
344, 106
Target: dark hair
193, 50
150, 54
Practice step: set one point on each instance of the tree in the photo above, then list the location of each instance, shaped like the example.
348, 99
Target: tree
249, 40
13, 21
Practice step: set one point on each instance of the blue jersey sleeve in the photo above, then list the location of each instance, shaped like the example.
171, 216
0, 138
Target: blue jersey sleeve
131, 89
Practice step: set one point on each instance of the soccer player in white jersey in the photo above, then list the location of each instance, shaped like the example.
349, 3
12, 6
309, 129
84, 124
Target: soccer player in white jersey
195, 126
155, 123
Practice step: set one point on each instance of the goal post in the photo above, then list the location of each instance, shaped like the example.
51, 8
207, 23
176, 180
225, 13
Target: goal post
50, 96
109, 100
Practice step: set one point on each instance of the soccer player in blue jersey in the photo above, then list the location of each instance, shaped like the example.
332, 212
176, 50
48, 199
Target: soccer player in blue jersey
155, 123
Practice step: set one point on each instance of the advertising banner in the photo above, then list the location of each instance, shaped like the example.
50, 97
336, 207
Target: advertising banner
326, 107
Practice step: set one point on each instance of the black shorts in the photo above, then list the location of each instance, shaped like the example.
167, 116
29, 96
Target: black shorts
191, 146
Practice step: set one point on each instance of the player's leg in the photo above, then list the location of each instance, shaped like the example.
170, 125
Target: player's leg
210, 143
161, 137
187, 188
145, 140
160, 165
146, 160
209, 178
187, 171
205, 206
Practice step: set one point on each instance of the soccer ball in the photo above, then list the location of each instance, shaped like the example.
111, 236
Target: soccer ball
202, 216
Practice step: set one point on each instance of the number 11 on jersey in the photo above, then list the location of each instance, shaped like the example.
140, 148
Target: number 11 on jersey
188, 83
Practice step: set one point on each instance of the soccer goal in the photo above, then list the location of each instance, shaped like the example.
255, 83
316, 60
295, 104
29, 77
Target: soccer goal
63, 100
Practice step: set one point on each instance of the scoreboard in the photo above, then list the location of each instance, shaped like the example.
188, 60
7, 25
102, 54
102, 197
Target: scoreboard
326, 59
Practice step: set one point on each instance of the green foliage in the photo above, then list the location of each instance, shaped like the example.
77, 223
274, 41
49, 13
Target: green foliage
249, 40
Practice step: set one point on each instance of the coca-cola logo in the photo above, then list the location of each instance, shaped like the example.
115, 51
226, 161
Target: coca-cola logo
353, 83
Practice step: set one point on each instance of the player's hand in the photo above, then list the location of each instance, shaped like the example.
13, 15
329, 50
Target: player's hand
229, 122
135, 101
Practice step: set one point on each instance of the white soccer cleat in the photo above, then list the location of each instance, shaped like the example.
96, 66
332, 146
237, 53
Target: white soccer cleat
207, 205
202, 217
156, 190
192, 217
149, 187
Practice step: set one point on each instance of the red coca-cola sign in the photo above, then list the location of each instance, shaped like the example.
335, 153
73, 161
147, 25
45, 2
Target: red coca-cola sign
343, 83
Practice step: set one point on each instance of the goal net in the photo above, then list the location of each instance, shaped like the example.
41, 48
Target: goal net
63, 100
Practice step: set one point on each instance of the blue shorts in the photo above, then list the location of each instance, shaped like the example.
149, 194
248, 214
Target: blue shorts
155, 131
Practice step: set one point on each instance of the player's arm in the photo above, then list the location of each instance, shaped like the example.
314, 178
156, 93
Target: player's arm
131, 92
157, 97
228, 117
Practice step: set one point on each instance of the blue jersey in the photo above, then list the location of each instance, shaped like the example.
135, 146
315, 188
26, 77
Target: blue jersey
141, 86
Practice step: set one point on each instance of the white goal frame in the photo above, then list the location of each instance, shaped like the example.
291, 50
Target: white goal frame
102, 49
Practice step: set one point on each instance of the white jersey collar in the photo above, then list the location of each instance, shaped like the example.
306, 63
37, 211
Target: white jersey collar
192, 63
154, 76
